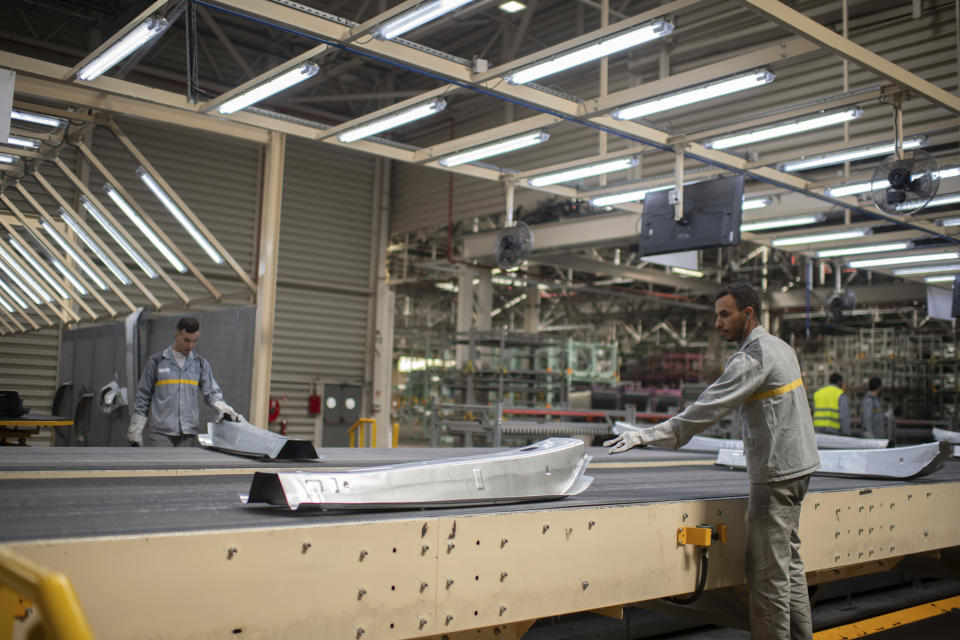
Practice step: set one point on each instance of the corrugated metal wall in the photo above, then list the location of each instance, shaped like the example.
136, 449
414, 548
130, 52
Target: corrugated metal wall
28, 365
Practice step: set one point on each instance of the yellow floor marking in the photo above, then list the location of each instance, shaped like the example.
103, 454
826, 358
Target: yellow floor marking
890, 620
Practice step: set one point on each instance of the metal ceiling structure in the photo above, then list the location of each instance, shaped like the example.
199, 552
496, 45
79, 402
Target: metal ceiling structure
465, 57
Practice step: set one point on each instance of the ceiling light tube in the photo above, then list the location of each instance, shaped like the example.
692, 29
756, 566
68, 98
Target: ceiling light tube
689, 273
863, 187
512, 6
69, 277
949, 222
138, 36
135, 218
569, 175
35, 118
119, 239
860, 250
798, 126
933, 268
917, 257
683, 98
38, 268
594, 51
414, 18
13, 295
393, 120
851, 154
931, 279
5, 304
34, 290
496, 148
779, 223
26, 143
70, 251
8, 159
939, 201
177, 213
821, 237
270, 87
756, 203
93, 246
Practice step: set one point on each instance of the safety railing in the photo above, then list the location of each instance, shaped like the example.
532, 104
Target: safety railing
359, 429
61, 616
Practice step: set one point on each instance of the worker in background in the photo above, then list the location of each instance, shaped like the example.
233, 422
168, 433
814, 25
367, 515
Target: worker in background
871, 411
761, 381
831, 410
168, 391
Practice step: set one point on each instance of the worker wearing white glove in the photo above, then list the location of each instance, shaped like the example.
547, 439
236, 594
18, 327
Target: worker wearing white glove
660, 435
169, 389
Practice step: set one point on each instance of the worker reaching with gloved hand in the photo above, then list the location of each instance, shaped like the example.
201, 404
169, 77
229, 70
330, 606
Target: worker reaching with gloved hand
168, 391
761, 381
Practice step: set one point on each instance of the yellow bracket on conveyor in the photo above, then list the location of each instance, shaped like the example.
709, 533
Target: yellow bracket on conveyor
702, 536
61, 614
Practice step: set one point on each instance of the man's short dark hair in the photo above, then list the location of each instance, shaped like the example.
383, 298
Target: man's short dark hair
188, 325
874, 384
836, 378
744, 295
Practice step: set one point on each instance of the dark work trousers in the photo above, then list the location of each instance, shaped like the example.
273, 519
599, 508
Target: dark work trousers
163, 440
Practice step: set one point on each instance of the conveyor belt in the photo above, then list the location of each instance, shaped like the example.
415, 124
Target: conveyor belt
92, 506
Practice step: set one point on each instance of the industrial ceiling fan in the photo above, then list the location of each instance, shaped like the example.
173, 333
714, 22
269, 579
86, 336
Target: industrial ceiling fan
906, 181
514, 242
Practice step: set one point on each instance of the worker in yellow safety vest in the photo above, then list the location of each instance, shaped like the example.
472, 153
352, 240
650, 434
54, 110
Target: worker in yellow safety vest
831, 409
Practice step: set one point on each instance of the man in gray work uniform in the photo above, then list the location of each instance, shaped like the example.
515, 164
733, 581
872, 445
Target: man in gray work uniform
168, 391
871, 411
762, 382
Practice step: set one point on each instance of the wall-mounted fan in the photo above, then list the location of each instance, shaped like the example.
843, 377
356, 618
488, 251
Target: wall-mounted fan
902, 186
840, 304
514, 245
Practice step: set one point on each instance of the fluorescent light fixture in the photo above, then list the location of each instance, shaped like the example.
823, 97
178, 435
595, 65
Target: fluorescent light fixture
860, 250
5, 304
79, 288
949, 222
496, 148
779, 223
13, 295
26, 143
821, 237
697, 94
119, 239
35, 118
628, 196
933, 268
939, 201
38, 268
689, 273
93, 246
8, 159
569, 175
161, 246
512, 6
863, 187
798, 126
138, 36
851, 154
412, 19
70, 251
23, 276
393, 120
917, 257
591, 52
268, 88
932, 279
756, 203
177, 213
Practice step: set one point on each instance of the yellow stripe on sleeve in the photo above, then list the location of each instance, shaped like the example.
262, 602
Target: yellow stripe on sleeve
779, 391
193, 382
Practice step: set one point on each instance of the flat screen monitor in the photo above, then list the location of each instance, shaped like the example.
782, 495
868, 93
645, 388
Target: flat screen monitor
712, 211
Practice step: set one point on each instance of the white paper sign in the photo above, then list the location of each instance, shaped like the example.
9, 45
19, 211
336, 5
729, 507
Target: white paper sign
684, 259
7, 78
939, 303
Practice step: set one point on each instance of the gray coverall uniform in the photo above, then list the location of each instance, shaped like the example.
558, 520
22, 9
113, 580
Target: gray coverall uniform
762, 382
871, 417
169, 393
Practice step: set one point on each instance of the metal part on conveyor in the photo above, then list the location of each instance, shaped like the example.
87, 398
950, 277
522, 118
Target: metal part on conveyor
902, 463
549, 469
706, 444
953, 437
247, 440
828, 441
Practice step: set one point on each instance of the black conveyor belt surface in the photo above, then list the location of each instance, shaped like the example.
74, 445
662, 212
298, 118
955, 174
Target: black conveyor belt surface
90, 506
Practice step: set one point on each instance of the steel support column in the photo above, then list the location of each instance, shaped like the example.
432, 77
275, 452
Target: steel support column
267, 277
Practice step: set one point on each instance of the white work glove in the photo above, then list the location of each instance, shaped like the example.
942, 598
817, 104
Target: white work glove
225, 411
135, 430
661, 435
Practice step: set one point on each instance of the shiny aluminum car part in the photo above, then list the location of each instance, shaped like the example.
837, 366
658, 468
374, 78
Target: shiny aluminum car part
247, 440
953, 437
550, 469
706, 444
901, 463
828, 441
